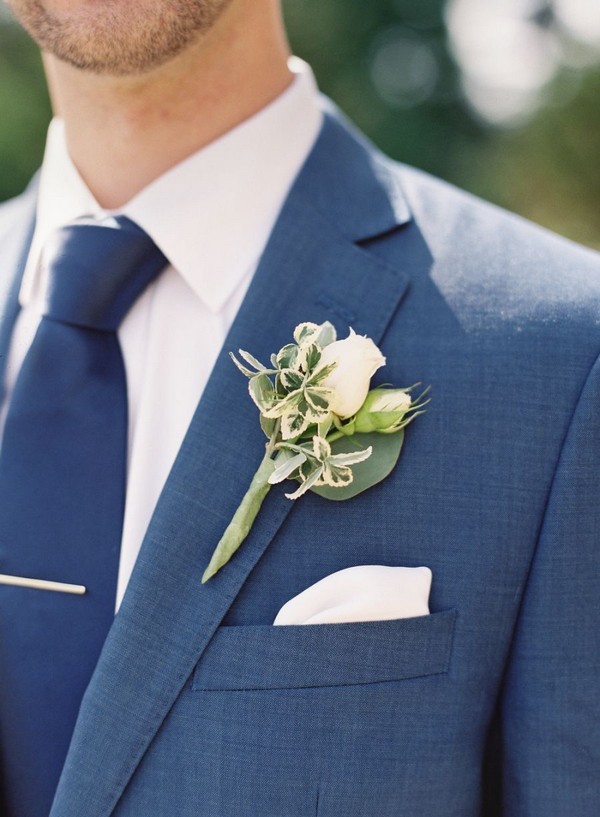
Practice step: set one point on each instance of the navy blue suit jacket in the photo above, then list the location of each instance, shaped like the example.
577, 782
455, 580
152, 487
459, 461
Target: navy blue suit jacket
488, 706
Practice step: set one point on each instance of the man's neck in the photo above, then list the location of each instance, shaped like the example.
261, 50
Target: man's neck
122, 133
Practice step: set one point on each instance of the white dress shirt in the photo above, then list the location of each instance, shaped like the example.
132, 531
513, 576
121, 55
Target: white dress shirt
211, 216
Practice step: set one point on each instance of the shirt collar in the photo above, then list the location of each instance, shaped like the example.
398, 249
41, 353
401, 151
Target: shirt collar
223, 200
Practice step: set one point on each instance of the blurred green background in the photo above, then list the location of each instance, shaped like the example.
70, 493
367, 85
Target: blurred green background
497, 96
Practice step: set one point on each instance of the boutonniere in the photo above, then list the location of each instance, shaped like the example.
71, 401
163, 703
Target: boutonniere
325, 429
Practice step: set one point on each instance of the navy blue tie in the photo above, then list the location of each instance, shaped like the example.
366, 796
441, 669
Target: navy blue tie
62, 492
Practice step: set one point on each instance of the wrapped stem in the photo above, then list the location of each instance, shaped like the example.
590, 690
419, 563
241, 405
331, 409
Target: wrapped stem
243, 519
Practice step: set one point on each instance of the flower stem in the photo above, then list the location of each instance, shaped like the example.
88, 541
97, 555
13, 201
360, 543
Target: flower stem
337, 435
243, 519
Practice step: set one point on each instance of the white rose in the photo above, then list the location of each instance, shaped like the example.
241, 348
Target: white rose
357, 359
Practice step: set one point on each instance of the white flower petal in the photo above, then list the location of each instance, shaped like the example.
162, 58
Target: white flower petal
356, 360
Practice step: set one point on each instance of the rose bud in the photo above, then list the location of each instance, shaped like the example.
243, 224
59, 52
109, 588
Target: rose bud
382, 411
357, 359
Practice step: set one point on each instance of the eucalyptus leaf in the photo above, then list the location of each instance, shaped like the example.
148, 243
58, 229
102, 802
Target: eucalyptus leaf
383, 459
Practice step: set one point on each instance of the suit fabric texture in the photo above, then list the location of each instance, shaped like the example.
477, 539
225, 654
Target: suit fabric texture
490, 705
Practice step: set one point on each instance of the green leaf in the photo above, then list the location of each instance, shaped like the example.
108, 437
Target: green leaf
383, 459
353, 458
261, 391
242, 368
325, 425
336, 476
318, 399
287, 356
321, 334
313, 356
305, 331
321, 374
286, 464
325, 335
308, 467
290, 379
252, 360
307, 485
321, 448
290, 403
293, 424
268, 425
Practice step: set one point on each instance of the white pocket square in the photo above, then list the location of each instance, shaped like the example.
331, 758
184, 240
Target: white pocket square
361, 593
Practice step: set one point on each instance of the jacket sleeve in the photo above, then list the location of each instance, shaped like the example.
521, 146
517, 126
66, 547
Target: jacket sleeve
550, 705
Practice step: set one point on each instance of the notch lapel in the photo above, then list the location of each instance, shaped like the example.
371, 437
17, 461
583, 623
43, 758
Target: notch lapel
312, 270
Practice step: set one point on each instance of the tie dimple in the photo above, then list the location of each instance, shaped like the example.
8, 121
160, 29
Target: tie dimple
97, 269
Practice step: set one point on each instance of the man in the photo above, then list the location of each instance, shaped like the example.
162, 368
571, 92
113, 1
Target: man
251, 206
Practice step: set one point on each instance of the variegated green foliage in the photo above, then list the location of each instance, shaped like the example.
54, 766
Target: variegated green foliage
291, 391
315, 464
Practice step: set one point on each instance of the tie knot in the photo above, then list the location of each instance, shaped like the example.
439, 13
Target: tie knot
96, 270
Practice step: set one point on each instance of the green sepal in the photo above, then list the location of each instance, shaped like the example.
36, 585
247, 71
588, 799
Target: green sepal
386, 450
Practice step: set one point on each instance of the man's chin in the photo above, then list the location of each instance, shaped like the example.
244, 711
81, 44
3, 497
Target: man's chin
109, 64
116, 37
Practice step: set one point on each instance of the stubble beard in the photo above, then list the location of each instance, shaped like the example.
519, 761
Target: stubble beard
119, 37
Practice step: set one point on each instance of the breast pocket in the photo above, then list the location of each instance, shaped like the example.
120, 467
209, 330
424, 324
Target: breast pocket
258, 657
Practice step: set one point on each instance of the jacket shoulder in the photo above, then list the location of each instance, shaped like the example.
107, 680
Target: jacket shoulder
437, 203
495, 264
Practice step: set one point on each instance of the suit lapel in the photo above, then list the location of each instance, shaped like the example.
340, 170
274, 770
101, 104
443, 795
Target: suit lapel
15, 239
311, 270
